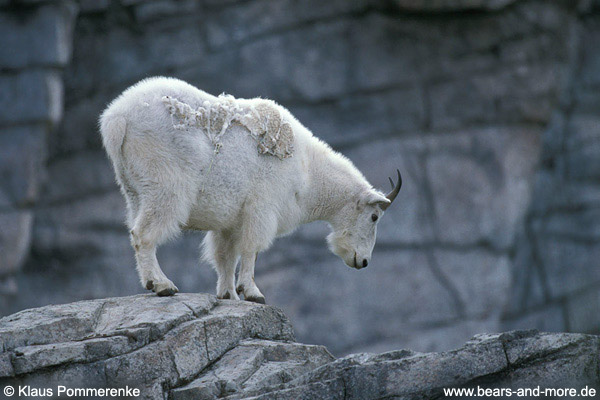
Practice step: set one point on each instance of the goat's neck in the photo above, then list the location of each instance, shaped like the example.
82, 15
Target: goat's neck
332, 187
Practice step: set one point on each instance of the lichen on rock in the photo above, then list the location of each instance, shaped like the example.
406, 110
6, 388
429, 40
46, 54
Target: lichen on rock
263, 120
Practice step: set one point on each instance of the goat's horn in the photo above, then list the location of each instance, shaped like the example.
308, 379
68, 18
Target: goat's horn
391, 196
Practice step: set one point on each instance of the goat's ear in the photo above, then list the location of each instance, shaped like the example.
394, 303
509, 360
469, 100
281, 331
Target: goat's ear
375, 198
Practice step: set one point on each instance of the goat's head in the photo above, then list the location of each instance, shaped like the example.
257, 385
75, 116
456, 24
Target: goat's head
355, 230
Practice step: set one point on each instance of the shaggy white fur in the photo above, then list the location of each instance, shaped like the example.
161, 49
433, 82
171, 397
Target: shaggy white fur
185, 159
263, 120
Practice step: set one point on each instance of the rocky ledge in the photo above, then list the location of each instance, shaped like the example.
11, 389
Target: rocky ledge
193, 346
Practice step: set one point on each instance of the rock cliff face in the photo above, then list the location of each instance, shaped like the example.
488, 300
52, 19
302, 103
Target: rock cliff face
193, 346
490, 108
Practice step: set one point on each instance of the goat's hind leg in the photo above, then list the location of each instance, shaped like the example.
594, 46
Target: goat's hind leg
153, 226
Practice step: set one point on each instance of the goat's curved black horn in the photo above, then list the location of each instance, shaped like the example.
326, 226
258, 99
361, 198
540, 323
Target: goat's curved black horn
391, 196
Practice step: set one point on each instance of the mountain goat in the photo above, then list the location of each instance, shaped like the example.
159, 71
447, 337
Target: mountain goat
245, 170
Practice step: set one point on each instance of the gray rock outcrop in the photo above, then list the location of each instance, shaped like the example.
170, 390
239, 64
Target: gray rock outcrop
490, 108
193, 346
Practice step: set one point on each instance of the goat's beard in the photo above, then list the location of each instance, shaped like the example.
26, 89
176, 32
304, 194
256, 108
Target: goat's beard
337, 246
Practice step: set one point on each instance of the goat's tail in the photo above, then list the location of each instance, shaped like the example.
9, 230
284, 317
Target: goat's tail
113, 128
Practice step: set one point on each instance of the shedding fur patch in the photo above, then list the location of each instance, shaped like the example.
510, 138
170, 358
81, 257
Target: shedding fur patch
263, 120
266, 124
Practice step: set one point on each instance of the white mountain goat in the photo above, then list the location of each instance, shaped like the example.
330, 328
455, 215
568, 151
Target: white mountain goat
245, 170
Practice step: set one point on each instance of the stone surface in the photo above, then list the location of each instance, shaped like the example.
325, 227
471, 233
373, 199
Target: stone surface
15, 239
22, 154
581, 311
84, 226
126, 337
555, 268
193, 346
37, 37
258, 364
95, 175
30, 96
488, 107
450, 5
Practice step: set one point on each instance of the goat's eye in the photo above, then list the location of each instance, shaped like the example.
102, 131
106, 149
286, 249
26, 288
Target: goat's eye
374, 217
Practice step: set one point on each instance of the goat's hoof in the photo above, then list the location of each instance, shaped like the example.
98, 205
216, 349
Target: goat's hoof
165, 289
149, 285
256, 299
167, 292
239, 289
228, 295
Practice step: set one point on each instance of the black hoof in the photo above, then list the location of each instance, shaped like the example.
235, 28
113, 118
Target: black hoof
226, 296
149, 285
166, 292
260, 300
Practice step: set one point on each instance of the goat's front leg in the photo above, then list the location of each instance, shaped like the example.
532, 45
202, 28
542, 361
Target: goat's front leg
246, 283
226, 278
220, 250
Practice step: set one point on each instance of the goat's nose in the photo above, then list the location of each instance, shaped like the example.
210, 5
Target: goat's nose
365, 263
